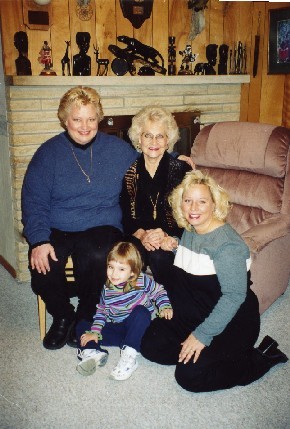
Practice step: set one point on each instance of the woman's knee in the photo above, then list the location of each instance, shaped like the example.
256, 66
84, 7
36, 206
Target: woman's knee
189, 377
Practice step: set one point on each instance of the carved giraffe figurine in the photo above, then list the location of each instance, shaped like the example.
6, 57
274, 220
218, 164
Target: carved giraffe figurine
65, 60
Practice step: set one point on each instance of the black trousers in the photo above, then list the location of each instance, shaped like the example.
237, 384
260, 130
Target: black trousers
88, 250
159, 261
229, 360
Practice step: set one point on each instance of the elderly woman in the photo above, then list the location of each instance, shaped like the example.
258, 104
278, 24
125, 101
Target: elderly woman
147, 216
216, 319
70, 206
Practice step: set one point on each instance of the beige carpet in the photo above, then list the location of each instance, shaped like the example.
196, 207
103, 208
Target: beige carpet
40, 389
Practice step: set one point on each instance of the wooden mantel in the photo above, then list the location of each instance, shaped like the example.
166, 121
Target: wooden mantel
125, 80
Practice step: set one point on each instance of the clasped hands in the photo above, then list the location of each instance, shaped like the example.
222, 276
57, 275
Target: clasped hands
153, 239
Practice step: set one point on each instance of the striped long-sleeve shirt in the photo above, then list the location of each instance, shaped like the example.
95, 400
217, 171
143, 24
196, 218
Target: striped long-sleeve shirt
115, 304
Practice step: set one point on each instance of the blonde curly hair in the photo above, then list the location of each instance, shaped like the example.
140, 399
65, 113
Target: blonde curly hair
155, 114
79, 96
218, 194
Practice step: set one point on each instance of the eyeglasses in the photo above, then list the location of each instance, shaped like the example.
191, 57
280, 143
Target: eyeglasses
148, 137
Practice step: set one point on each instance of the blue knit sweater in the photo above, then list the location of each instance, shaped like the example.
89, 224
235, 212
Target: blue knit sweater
56, 194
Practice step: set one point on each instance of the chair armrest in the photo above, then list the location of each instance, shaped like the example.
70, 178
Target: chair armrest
259, 236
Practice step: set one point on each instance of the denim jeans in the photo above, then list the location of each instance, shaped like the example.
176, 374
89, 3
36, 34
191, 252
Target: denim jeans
126, 333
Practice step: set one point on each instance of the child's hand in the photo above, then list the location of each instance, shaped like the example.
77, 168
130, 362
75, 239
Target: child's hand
167, 313
85, 338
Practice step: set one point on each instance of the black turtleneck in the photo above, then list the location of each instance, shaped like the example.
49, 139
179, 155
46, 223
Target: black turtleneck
80, 146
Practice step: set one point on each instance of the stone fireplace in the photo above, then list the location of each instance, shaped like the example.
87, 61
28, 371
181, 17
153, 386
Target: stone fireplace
32, 103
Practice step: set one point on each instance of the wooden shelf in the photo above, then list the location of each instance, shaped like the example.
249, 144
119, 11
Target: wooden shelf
125, 80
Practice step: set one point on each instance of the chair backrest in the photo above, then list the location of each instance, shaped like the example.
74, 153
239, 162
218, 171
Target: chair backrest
252, 162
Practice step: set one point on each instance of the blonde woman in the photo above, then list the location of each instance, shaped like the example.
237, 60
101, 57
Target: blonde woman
147, 216
216, 319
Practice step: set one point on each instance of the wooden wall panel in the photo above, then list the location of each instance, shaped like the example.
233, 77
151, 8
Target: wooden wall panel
11, 21
60, 34
244, 34
105, 28
253, 102
215, 22
123, 25
144, 33
160, 29
77, 25
286, 103
200, 42
179, 26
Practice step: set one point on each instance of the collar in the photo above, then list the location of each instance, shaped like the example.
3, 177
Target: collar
77, 145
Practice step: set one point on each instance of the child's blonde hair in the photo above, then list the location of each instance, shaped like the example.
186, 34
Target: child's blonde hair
125, 252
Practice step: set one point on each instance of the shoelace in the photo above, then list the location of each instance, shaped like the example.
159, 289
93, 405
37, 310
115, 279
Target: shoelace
124, 361
85, 353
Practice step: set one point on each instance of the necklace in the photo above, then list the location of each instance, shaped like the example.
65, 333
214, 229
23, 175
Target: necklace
154, 206
82, 170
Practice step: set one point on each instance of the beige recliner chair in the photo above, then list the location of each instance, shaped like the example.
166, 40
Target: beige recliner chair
252, 162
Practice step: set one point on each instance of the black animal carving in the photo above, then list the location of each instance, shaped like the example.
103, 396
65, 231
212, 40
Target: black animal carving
65, 61
199, 69
137, 51
207, 68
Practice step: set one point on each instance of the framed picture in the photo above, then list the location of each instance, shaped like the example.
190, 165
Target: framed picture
279, 41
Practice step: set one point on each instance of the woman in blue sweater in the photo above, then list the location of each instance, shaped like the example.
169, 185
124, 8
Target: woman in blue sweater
70, 206
216, 319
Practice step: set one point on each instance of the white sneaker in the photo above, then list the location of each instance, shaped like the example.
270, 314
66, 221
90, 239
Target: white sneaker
90, 359
127, 364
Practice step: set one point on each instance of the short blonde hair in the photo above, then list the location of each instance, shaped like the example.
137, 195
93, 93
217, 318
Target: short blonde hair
154, 114
218, 194
125, 252
79, 96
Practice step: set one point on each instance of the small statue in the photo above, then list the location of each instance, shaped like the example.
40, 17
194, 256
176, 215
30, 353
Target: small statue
82, 61
211, 55
45, 58
103, 64
136, 52
171, 56
223, 59
188, 58
65, 61
22, 63
238, 59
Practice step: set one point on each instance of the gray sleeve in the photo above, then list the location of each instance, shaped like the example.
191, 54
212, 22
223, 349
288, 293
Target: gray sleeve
231, 269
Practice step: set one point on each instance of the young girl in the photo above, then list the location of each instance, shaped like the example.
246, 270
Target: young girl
123, 314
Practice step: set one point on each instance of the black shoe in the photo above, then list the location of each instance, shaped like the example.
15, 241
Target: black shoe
269, 350
72, 336
58, 333
266, 344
